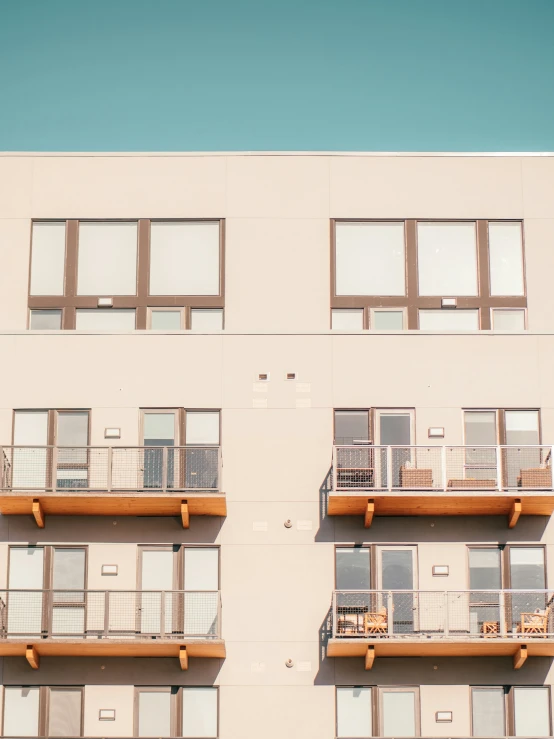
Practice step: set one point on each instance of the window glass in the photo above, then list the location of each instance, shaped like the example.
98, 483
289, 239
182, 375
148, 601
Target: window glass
45, 320
370, 259
68, 571
201, 568
449, 320
354, 719
107, 260
399, 713
447, 259
527, 568
508, 320
26, 568
506, 259
159, 429
72, 428
347, 319
154, 713
487, 707
199, 712
352, 568
522, 427
480, 428
184, 258
485, 569
64, 715
48, 258
202, 428
532, 712
21, 707
105, 319
351, 427
169, 320
206, 319
387, 320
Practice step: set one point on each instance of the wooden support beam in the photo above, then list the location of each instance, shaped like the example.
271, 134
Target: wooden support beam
369, 658
520, 656
183, 658
515, 513
185, 516
38, 513
369, 512
32, 656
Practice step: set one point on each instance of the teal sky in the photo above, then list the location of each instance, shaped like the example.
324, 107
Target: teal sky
203, 75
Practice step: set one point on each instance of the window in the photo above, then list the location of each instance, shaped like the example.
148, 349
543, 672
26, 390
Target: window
354, 712
518, 567
352, 427
347, 319
448, 320
199, 712
488, 712
364, 712
506, 258
508, 319
412, 266
136, 266
532, 712
47, 259
154, 712
65, 712
45, 320
21, 711
387, 320
353, 568
447, 259
175, 711
107, 259
105, 319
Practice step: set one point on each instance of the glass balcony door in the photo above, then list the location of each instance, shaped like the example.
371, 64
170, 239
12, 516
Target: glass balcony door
160, 429
72, 438
397, 571
30, 465
394, 428
26, 610
157, 573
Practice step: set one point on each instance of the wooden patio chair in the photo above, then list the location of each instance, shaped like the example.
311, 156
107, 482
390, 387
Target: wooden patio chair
534, 623
376, 622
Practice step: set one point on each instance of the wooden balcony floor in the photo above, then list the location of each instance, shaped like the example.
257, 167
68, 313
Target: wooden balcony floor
92, 647
433, 503
113, 504
440, 647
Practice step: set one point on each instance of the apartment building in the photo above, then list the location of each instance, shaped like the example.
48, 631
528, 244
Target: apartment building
276, 444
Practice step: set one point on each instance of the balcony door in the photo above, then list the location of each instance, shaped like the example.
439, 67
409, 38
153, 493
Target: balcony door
26, 610
160, 428
522, 434
72, 439
158, 572
394, 428
30, 465
201, 461
397, 571
480, 430
153, 716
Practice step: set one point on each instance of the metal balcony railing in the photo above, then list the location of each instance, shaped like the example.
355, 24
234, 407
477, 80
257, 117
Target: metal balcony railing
109, 614
110, 469
457, 614
442, 468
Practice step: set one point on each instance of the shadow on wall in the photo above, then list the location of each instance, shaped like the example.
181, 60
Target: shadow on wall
110, 671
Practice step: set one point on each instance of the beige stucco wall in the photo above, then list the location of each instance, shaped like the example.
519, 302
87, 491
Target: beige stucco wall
276, 582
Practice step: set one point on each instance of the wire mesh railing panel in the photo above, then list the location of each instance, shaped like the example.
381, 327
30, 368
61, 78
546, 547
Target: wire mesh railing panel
363, 467
192, 468
416, 467
461, 614
527, 467
94, 614
471, 468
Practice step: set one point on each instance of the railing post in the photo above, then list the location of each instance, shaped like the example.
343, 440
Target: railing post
106, 612
164, 467
162, 614
110, 466
443, 469
502, 615
446, 614
388, 452
53, 468
499, 468
390, 612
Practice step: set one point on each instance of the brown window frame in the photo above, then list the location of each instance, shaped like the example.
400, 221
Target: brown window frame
501, 421
377, 713
412, 302
176, 705
70, 302
44, 704
505, 568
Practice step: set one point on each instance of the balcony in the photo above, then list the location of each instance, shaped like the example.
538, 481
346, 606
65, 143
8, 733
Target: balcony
461, 623
111, 481
114, 623
442, 481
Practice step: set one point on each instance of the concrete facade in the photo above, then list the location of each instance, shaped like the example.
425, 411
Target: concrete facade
276, 437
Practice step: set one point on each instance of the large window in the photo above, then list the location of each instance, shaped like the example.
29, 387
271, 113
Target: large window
116, 275
173, 711
516, 711
364, 712
431, 275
